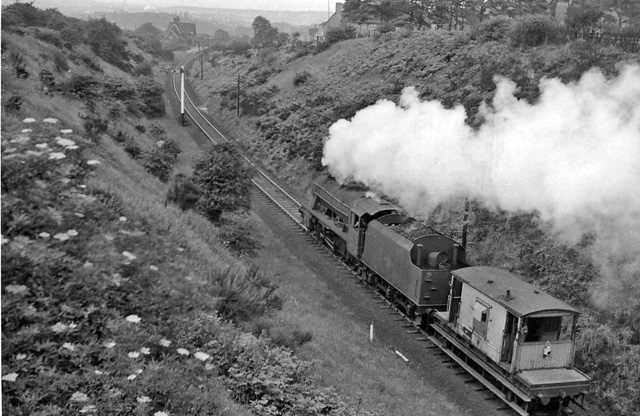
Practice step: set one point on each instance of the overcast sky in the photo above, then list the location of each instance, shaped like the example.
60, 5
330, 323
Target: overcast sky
294, 5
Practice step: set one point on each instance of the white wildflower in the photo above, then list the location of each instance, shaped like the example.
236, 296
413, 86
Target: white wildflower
5, 240
61, 236
145, 350
129, 256
21, 139
44, 235
161, 414
164, 342
66, 131
50, 120
64, 142
180, 249
92, 162
143, 399
98, 372
29, 120
59, 327
72, 147
21, 356
134, 354
182, 351
202, 356
132, 377
72, 233
42, 145
123, 219
208, 366
87, 265
10, 377
33, 153
72, 325
69, 346
133, 318
79, 397
26, 131
15, 289
139, 371
56, 155
88, 409
109, 344
154, 268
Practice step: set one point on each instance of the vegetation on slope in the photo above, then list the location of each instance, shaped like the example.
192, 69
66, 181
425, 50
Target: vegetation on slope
108, 295
289, 99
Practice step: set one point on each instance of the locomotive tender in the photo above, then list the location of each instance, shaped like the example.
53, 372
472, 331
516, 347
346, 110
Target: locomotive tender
515, 339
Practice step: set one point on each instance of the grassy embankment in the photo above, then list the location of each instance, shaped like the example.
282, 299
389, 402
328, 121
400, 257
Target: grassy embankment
454, 69
109, 297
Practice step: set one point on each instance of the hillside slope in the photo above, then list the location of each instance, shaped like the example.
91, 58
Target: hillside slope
290, 99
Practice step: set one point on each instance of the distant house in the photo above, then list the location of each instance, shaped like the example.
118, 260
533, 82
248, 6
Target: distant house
177, 31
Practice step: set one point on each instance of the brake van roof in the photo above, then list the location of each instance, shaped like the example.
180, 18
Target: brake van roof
525, 299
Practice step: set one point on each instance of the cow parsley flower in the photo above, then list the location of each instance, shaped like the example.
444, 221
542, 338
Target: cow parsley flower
182, 351
145, 351
202, 356
44, 235
10, 377
66, 131
92, 162
50, 120
161, 414
134, 354
133, 318
29, 120
109, 344
64, 142
143, 399
164, 342
59, 327
56, 155
15, 289
88, 409
129, 256
69, 346
131, 377
79, 397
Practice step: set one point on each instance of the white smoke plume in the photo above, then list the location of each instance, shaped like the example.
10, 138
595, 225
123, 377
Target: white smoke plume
573, 157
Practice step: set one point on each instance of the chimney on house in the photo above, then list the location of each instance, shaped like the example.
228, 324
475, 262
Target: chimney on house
176, 19
338, 7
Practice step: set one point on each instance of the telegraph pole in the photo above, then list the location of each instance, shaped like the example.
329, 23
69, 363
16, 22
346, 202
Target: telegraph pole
182, 94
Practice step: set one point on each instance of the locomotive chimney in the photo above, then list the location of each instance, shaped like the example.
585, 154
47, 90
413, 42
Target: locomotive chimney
454, 260
419, 255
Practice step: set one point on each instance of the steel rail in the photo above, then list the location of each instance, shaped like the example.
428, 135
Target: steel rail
199, 116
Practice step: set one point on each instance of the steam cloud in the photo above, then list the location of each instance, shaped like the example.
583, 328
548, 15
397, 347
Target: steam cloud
574, 157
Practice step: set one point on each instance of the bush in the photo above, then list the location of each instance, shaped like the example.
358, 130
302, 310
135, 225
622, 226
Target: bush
94, 125
301, 77
224, 180
17, 61
238, 235
183, 193
60, 61
158, 163
13, 104
495, 29
339, 34
534, 31
152, 96
244, 295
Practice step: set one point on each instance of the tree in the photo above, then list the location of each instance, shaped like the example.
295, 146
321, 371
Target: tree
584, 17
148, 29
625, 11
105, 40
224, 181
264, 35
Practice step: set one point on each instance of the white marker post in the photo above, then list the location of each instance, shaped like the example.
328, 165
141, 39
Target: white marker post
182, 94
371, 332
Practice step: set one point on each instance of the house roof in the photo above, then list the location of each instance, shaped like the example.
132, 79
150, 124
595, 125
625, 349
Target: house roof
524, 298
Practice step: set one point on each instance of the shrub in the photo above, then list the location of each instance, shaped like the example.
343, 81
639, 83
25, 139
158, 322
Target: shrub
301, 77
224, 180
171, 149
158, 163
140, 128
157, 132
495, 29
94, 125
84, 87
339, 34
50, 38
152, 96
534, 31
60, 61
17, 61
238, 235
244, 294
132, 148
183, 193
13, 104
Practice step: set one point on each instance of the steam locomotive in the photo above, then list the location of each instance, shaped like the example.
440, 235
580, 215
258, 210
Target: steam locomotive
514, 338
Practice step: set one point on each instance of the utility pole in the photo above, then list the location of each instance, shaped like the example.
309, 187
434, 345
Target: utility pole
201, 66
238, 99
182, 94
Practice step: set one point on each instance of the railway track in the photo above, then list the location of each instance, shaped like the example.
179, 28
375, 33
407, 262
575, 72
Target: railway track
262, 180
289, 206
